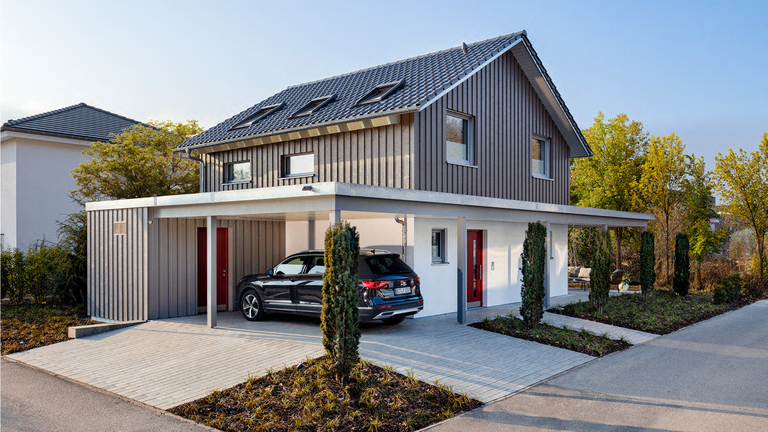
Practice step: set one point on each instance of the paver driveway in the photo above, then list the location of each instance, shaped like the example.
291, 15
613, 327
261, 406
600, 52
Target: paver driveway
165, 363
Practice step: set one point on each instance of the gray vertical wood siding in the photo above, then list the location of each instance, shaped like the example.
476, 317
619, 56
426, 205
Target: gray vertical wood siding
507, 113
151, 271
379, 156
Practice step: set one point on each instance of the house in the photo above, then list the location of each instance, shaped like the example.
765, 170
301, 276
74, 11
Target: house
37, 154
444, 158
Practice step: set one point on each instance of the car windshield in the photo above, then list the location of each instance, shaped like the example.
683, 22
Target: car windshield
387, 265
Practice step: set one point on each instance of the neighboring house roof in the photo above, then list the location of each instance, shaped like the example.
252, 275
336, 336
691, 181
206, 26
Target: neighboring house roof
424, 79
80, 122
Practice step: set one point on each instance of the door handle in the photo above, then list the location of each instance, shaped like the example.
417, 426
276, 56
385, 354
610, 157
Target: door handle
293, 279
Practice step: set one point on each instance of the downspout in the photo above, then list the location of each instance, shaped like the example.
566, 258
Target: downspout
202, 169
405, 236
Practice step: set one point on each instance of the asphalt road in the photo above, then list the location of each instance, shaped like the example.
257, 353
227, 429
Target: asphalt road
712, 376
33, 400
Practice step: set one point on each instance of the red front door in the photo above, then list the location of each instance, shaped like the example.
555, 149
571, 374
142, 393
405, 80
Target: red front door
222, 263
474, 268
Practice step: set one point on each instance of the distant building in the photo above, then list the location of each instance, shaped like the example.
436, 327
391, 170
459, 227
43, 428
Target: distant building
38, 153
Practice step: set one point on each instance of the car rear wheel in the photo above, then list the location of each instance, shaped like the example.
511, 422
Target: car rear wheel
251, 306
395, 320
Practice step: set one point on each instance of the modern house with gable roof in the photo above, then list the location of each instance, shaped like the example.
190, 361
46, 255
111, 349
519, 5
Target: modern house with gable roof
38, 153
444, 158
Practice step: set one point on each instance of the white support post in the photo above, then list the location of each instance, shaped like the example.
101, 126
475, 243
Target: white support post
335, 216
212, 268
547, 265
461, 267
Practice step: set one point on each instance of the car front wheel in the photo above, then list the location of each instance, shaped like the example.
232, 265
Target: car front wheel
251, 305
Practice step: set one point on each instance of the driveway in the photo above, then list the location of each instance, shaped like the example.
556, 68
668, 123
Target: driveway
165, 363
710, 376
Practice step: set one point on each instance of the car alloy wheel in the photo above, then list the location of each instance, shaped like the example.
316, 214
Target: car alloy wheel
251, 305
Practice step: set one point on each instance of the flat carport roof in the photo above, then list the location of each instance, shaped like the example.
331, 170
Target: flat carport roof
333, 200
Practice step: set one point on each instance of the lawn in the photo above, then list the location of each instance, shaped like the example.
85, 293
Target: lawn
663, 312
581, 341
307, 397
28, 326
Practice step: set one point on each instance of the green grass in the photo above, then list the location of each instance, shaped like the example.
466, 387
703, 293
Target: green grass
581, 341
28, 326
308, 397
663, 312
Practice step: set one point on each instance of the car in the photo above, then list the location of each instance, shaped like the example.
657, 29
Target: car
389, 289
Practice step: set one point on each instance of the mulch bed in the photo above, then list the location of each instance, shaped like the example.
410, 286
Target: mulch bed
574, 340
663, 313
28, 326
308, 397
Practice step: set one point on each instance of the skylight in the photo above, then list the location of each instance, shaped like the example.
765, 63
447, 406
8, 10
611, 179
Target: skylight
312, 106
379, 93
258, 115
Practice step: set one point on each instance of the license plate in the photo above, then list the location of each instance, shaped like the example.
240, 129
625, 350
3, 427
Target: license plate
405, 290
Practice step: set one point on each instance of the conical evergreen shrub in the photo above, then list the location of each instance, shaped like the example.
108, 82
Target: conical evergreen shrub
682, 280
599, 278
339, 316
647, 263
534, 258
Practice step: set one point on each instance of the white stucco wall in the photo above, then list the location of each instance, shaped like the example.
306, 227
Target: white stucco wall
558, 269
35, 180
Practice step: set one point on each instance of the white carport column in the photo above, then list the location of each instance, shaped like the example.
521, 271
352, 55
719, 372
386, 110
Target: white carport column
334, 216
211, 268
547, 266
461, 268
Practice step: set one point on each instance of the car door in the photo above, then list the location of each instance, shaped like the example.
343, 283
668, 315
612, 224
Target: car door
280, 288
310, 290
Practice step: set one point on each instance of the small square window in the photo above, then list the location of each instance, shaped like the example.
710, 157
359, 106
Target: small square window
458, 132
238, 172
299, 165
540, 157
438, 246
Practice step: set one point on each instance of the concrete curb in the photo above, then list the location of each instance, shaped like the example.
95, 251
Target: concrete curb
87, 330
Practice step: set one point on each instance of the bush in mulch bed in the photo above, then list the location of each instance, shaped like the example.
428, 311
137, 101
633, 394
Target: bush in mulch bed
663, 312
26, 326
581, 341
307, 397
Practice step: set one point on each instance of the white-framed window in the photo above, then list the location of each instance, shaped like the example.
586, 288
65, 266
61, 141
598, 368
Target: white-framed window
438, 246
459, 138
299, 165
237, 172
541, 157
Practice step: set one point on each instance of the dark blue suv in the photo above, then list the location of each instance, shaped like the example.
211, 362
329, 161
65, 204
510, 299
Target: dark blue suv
389, 289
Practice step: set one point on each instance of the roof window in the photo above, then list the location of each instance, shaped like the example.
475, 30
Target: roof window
312, 106
381, 92
258, 115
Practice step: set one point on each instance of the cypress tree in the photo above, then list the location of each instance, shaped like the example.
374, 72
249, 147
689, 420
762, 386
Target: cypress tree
339, 316
534, 258
682, 280
647, 263
600, 276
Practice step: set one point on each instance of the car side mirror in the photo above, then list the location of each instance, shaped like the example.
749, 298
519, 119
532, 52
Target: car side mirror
271, 272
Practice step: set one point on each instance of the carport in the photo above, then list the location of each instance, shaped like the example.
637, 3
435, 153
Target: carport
145, 255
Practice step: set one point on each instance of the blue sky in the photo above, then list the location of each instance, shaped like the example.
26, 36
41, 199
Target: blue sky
696, 68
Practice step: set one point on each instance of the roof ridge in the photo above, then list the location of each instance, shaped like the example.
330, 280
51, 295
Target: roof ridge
15, 122
407, 59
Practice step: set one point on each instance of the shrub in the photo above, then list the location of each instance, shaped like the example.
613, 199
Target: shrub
755, 287
534, 258
728, 289
339, 316
716, 269
41, 270
14, 275
682, 280
600, 276
647, 263
72, 261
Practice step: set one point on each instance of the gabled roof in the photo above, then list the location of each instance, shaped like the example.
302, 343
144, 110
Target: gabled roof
425, 79
80, 122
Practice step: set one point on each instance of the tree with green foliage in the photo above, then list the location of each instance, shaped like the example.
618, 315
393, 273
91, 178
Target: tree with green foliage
139, 162
339, 316
682, 279
742, 181
699, 209
607, 179
660, 185
599, 278
72, 264
647, 263
534, 258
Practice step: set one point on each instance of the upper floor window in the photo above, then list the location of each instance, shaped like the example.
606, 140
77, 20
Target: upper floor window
459, 138
258, 115
381, 92
313, 105
541, 159
298, 165
237, 172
